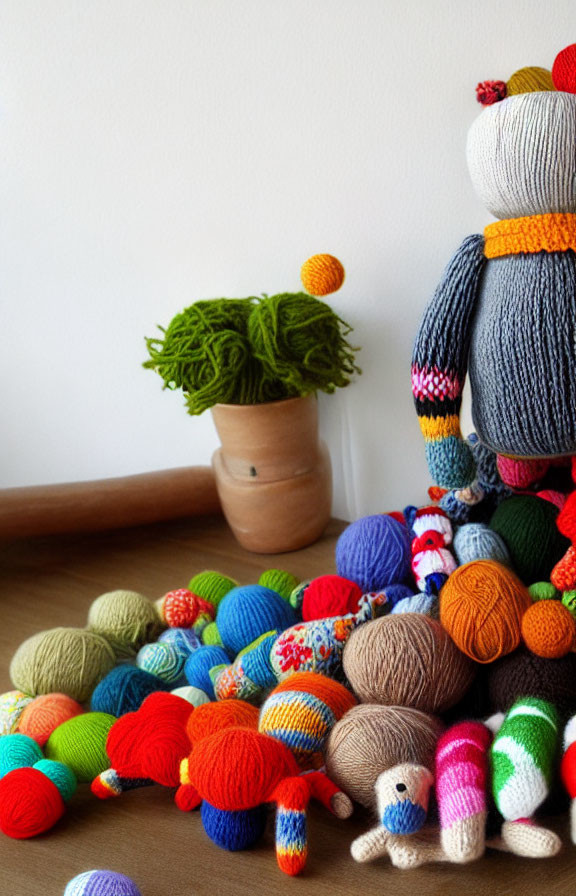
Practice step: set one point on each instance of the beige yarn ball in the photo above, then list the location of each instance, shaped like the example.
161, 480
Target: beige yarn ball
370, 739
126, 619
406, 659
65, 660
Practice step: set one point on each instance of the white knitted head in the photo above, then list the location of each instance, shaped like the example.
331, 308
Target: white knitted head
522, 155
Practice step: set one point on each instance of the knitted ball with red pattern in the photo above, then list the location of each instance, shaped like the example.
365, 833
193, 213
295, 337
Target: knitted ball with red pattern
328, 596
301, 712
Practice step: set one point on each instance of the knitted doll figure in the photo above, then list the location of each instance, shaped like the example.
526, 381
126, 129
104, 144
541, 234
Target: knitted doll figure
504, 311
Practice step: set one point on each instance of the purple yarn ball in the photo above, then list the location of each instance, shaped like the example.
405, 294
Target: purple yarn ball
374, 552
101, 883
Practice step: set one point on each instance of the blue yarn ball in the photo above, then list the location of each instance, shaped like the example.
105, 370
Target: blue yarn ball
476, 541
60, 775
198, 667
396, 593
163, 660
101, 883
249, 611
183, 639
374, 551
233, 830
124, 690
256, 663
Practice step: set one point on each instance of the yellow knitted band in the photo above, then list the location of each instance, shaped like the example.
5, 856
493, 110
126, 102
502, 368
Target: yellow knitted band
434, 428
536, 233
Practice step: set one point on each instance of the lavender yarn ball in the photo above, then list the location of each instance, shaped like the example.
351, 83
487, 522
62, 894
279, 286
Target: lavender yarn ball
374, 552
476, 541
101, 883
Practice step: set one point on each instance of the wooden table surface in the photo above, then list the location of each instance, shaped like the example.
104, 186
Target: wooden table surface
51, 581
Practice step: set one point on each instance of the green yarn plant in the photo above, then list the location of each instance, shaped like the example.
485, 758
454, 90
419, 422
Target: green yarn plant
253, 350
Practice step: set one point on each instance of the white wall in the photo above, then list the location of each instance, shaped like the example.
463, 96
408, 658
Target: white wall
155, 152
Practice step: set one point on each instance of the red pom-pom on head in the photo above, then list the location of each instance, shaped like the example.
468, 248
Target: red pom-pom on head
328, 596
489, 92
30, 803
564, 70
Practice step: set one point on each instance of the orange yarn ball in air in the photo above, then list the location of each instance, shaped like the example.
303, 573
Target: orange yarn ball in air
322, 274
45, 713
481, 608
209, 718
549, 629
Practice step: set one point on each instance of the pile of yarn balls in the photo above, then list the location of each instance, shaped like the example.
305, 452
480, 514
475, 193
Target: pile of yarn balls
496, 611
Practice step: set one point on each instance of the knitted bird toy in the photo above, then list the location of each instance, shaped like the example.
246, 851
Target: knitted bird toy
504, 312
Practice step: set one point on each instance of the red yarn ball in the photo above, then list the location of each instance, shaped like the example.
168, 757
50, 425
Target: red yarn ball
489, 92
329, 596
30, 803
564, 70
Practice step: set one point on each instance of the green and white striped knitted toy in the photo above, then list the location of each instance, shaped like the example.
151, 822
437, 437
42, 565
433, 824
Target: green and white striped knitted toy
522, 757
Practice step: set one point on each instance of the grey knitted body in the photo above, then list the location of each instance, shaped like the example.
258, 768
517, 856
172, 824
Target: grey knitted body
522, 355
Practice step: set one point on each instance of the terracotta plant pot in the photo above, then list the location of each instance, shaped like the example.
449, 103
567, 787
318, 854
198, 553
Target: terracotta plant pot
273, 474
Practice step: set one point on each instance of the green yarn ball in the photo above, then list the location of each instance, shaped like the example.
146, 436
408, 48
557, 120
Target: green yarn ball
211, 586
80, 743
18, 751
126, 619
211, 635
283, 583
527, 525
62, 660
60, 775
301, 341
543, 591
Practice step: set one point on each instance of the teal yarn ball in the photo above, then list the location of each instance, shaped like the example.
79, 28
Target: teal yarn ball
60, 775
101, 883
527, 525
249, 611
18, 751
198, 667
375, 551
124, 690
163, 660
476, 541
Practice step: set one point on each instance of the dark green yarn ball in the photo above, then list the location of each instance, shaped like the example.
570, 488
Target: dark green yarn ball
527, 525
300, 341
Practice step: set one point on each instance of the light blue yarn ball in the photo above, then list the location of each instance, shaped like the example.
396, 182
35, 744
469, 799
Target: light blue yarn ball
476, 541
375, 551
416, 603
124, 690
183, 639
60, 775
163, 660
249, 611
18, 751
101, 883
198, 666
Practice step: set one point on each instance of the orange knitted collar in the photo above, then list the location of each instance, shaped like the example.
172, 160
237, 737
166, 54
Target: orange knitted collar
536, 233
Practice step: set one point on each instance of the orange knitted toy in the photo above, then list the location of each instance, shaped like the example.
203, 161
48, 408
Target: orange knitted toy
212, 717
322, 274
549, 629
481, 608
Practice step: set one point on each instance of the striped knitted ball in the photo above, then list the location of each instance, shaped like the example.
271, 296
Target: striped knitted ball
101, 883
302, 711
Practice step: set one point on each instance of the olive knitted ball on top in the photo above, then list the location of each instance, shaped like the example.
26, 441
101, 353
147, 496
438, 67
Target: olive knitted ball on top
126, 619
481, 607
406, 660
527, 525
374, 551
101, 883
249, 611
370, 739
62, 660
80, 743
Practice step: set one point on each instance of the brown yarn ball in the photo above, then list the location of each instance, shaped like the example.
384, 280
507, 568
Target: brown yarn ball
522, 673
370, 739
481, 607
406, 659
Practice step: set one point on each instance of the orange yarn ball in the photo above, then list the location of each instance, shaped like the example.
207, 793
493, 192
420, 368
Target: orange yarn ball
481, 608
45, 713
322, 274
549, 629
209, 718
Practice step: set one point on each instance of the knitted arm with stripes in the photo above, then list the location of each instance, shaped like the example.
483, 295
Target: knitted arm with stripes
440, 362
